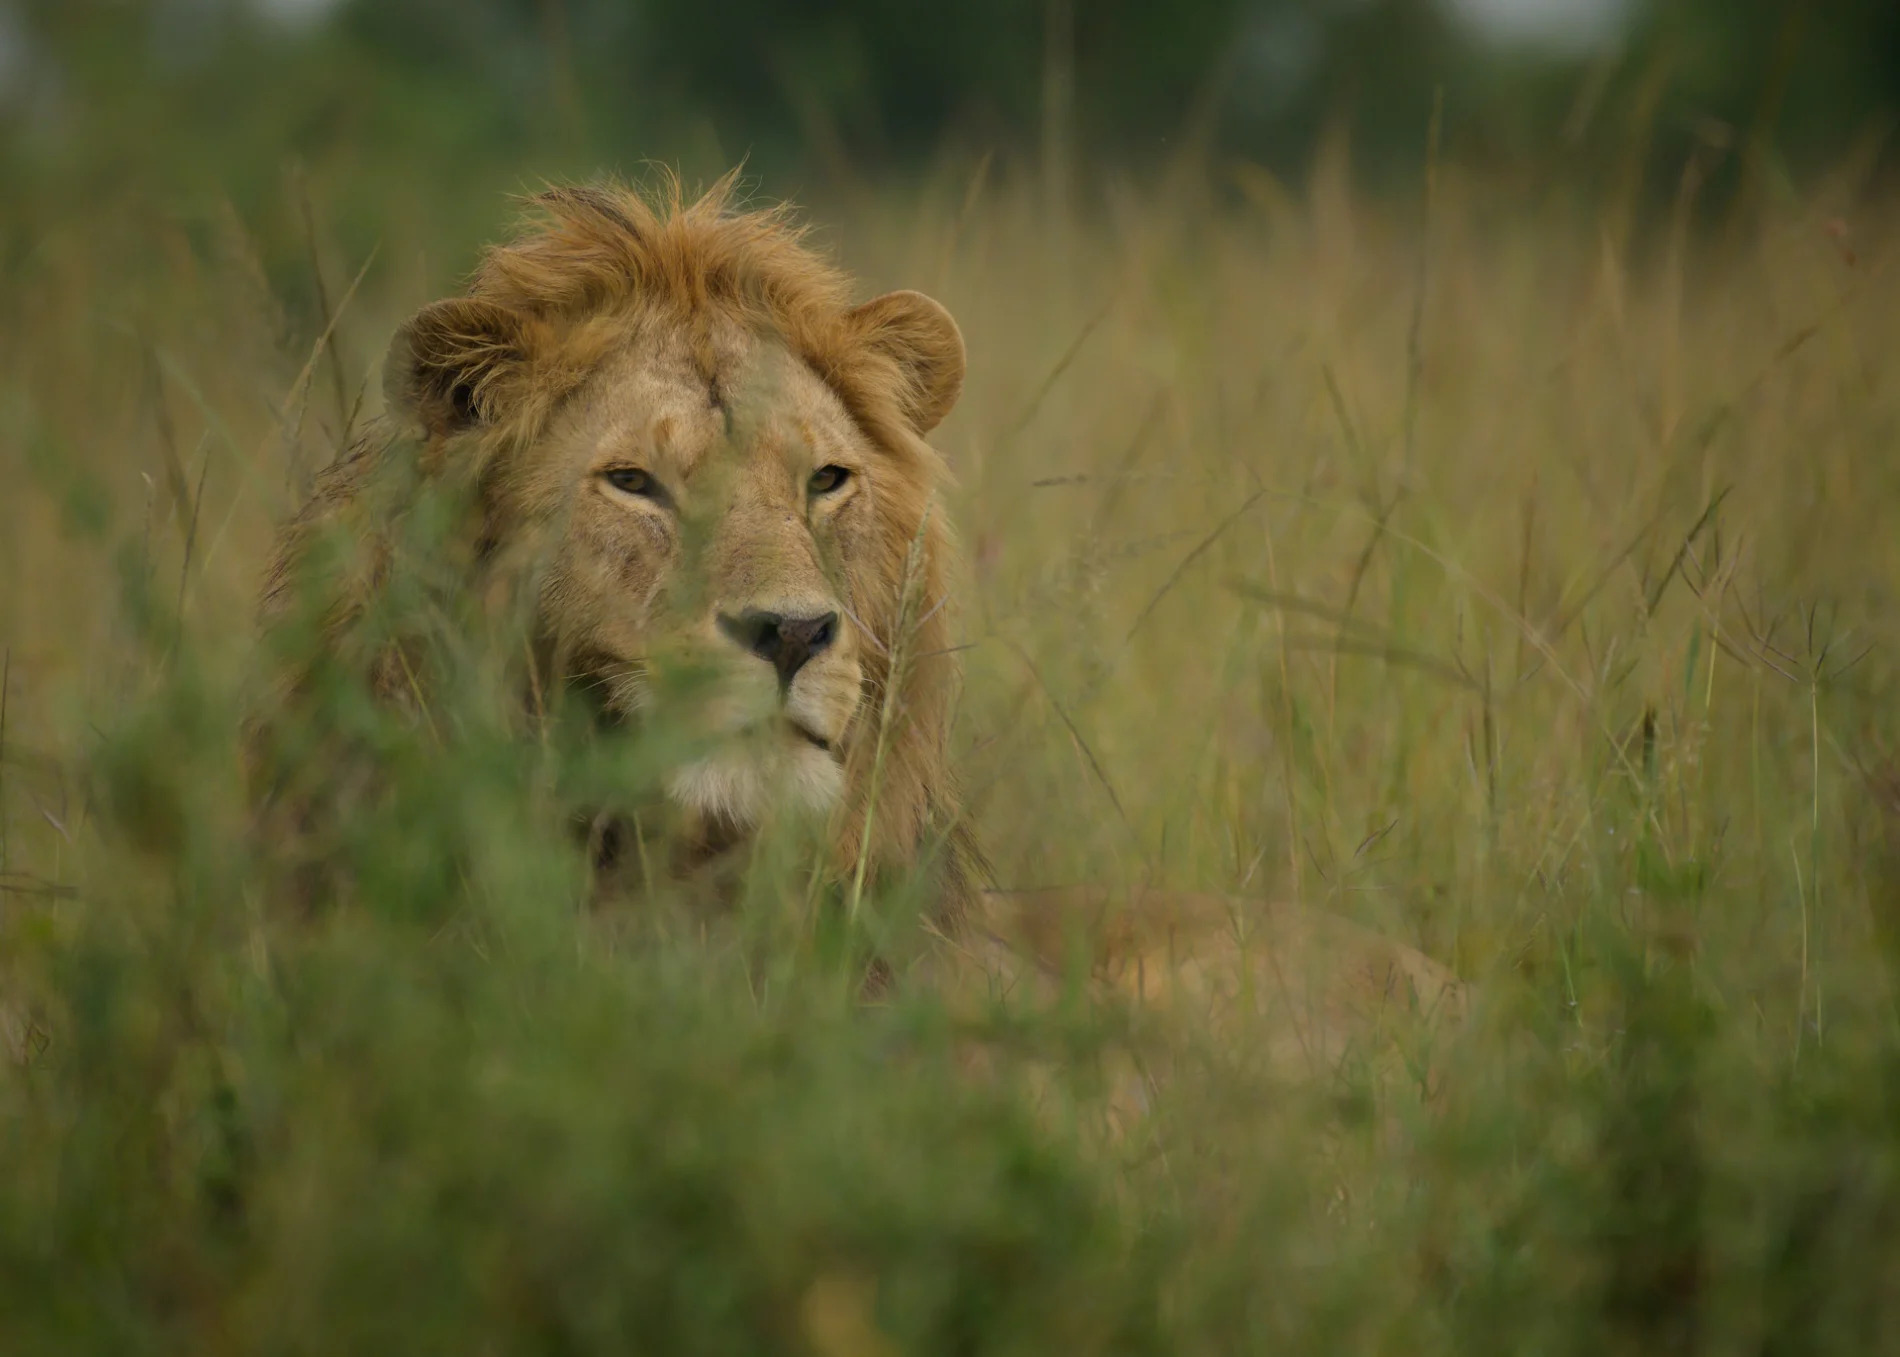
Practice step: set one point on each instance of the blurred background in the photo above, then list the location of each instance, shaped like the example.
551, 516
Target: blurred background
455, 97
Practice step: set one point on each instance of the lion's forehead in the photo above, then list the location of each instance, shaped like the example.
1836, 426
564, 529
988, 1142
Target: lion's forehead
684, 408
732, 430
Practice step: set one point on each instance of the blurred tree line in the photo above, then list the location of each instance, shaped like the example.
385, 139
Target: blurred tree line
95, 91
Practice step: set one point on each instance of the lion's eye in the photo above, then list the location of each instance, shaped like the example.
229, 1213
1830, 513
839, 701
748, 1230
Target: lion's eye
631, 480
828, 478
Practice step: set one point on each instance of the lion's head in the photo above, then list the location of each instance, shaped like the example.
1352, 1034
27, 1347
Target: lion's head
717, 463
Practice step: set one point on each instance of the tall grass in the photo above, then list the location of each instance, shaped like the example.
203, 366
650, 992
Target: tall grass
1515, 584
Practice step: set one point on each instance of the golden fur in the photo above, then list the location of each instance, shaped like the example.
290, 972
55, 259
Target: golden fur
710, 352
1295, 992
713, 349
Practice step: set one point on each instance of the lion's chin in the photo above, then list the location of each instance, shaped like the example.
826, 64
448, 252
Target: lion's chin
747, 785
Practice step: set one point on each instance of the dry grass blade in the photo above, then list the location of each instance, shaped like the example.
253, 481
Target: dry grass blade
1567, 617
1120, 475
300, 387
1688, 544
972, 195
20, 883
1337, 399
1391, 654
1370, 642
177, 486
1088, 754
338, 383
1034, 406
887, 713
1415, 331
1287, 602
1181, 567
191, 533
355, 412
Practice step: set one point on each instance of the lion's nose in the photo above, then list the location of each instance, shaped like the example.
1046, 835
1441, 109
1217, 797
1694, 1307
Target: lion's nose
785, 643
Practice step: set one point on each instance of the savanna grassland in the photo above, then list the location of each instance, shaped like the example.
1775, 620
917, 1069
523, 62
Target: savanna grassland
1513, 575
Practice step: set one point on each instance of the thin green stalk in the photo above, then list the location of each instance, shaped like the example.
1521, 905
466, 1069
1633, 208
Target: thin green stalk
887, 706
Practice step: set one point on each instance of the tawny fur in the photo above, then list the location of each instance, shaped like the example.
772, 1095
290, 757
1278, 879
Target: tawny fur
483, 383
477, 383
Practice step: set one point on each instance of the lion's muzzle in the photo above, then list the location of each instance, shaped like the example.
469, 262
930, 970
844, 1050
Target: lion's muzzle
785, 643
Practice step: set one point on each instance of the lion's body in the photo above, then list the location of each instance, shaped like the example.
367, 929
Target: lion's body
1308, 987
681, 424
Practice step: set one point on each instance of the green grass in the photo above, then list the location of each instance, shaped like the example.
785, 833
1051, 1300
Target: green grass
1519, 588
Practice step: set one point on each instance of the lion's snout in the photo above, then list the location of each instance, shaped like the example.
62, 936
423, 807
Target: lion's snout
790, 692
784, 642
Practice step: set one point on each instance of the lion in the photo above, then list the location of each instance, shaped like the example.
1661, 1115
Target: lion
719, 462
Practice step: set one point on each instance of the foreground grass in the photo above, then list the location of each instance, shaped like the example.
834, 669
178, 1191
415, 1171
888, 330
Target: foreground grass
1519, 588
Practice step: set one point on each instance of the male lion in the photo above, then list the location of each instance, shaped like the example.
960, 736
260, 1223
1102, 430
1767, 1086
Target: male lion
718, 462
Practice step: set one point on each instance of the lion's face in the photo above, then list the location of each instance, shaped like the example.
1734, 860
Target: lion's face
712, 466
714, 509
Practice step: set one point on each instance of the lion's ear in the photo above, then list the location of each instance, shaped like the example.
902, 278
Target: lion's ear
449, 365
923, 339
